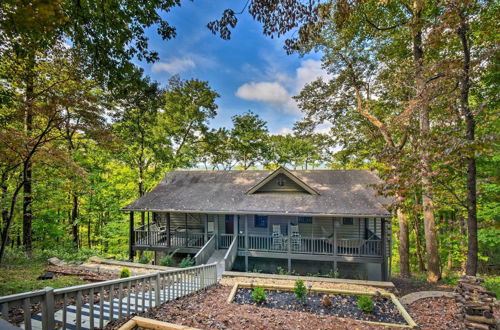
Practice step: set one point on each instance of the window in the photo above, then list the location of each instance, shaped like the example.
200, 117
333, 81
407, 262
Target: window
305, 220
347, 221
260, 221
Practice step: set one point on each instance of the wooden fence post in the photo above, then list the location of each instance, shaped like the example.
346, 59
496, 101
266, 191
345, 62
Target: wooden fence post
48, 322
158, 290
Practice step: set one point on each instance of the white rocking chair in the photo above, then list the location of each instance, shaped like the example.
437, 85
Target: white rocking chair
295, 238
277, 238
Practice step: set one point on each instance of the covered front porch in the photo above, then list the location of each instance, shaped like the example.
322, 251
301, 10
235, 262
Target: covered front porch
258, 235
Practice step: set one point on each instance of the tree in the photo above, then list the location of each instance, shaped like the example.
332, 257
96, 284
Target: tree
249, 139
104, 37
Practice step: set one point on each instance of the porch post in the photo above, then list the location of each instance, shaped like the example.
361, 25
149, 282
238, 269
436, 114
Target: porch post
246, 242
132, 237
384, 259
335, 248
235, 225
206, 228
168, 230
149, 230
289, 249
186, 229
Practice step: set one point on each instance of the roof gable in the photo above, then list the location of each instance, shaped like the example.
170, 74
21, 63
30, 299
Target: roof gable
282, 180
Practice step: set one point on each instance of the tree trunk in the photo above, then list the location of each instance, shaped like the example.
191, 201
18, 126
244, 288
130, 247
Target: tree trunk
472, 244
404, 245
418, 241
5, 211
433, 269
27, 170
74, 221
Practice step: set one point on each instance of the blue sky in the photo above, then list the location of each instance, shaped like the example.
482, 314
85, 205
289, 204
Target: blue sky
250, 71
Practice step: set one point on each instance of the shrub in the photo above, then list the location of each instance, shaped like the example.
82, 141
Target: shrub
300, 290
186, 262
258, 295
143, 259
365, 304
168, 260
281, 271
125, 272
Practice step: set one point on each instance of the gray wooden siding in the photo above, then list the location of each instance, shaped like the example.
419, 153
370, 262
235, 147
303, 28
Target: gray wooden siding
288, 185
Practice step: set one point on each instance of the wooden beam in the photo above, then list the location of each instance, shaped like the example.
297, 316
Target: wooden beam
168, 230
384, 238
131, 237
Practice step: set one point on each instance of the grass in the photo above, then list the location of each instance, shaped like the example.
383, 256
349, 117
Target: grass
21, 278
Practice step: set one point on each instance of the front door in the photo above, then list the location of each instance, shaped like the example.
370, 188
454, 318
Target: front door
229, 224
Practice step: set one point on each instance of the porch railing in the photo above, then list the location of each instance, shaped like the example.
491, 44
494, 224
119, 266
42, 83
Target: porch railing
225, 240
206, 251
307, 245
122, 297
160, 238
231, 254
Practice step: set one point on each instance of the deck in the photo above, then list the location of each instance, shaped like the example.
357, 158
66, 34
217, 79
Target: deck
259, 245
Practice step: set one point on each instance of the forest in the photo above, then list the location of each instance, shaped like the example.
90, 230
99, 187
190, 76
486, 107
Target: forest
413, 93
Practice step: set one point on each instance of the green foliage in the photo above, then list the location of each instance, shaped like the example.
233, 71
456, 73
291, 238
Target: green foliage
258, 295
125, 272
492, 283
67, 253
365, 304
144, 259
168, 260
300, 290
282, 271
186, 262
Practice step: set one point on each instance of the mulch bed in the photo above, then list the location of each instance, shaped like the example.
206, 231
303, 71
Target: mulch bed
210, 310
384, 309
436, 313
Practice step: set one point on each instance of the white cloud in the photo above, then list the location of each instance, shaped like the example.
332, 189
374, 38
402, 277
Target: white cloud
284, 131
174, 66
272, 92
282, 87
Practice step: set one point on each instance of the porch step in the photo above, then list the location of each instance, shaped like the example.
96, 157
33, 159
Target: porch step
218, 257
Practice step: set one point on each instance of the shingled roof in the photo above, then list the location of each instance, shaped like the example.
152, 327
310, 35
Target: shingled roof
339, 193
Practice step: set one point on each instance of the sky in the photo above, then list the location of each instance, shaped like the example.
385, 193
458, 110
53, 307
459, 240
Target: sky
250, 72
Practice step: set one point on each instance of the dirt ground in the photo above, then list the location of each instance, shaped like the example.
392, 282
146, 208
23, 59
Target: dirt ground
405, 286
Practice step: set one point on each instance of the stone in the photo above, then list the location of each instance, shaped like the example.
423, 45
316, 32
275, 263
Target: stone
56, 262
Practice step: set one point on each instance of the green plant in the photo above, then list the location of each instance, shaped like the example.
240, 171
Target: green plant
125, 272
186, 262
300, 290
258, 295
333, 273
256, 270
168, 260
281, 271
143, 259
365, 304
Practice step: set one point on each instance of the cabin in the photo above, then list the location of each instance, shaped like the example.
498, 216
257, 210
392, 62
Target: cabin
304, 221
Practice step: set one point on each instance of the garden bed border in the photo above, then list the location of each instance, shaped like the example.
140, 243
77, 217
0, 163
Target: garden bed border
144, 322
394, 299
